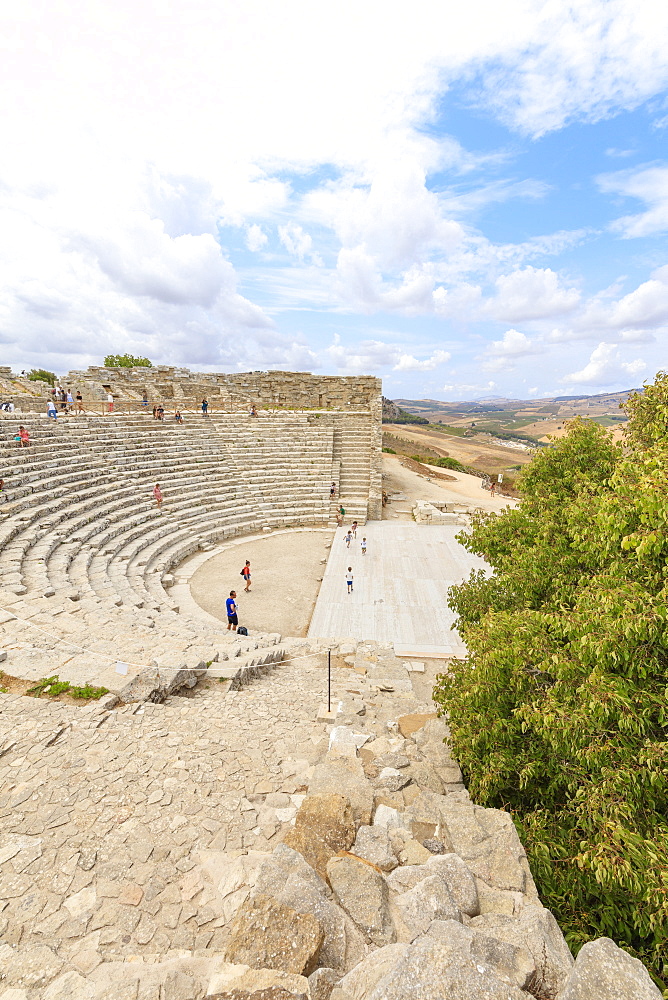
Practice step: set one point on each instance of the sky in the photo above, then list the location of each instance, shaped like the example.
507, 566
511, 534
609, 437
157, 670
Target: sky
467, 200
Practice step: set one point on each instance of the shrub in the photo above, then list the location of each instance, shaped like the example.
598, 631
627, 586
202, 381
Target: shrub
389, 451
126, 361
41, 375
559, 712
443, 462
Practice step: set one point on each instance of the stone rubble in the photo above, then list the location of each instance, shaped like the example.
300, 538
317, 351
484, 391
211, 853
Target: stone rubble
227, 845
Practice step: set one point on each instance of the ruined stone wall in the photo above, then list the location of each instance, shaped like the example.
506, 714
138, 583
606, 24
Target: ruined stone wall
277, 388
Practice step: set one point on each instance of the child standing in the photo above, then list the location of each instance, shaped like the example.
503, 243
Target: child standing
364, 546
349, 579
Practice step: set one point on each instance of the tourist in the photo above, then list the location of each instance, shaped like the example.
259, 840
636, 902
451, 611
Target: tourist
51, 409
353, 529
349, 579
332, 491
70, 401
178, 417
144, 399
364, 546
23, 437
157, 493
246, 573
205, 407
160, 412
348, 539
342, 512
492, 487
110, 403
252, 412
231, 605
80, 408
155, 412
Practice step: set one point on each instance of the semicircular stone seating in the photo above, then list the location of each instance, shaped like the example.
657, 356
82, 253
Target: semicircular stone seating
84, 549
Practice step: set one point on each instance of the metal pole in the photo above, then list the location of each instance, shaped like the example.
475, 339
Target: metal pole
329, 680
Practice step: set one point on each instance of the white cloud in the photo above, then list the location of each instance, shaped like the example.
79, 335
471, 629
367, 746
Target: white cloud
531, 293
407, 363
501, 355
256, 238
605, 367
298, 243
648, 184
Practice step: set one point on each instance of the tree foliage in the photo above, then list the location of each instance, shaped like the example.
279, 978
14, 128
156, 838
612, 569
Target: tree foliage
126, 361
559, 713
41, 375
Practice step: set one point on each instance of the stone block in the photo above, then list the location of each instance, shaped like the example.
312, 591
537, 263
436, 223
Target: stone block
373, 844
344, 775
602, 971
417, 908
323, 826
362, 891
269, 934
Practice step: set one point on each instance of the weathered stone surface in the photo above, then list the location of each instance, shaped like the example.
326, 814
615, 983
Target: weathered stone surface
535, 929
409, 724
336, 774
30, 967
442, 964
373, 844
363, 979
238, 982
459, 880
322, 982
602, 971
392, 779
324, 826
70, 986
362, 892
286, 876
413, 853
416, 909
269, 934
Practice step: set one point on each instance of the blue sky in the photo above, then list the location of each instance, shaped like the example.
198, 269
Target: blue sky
466, 203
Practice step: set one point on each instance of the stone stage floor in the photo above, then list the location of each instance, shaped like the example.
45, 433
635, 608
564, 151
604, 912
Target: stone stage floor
400, 592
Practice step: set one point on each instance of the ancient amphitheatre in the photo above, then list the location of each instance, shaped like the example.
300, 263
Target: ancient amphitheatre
208, 828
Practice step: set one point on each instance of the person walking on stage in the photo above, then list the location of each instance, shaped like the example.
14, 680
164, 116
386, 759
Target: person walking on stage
364, 546
231, 605
246, 573
349, 579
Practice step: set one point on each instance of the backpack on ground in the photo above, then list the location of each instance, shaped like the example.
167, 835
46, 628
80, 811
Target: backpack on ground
242, 630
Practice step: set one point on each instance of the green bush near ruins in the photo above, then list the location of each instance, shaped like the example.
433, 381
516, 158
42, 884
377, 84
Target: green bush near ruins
126, 361
442, 463
559, 714
41, 375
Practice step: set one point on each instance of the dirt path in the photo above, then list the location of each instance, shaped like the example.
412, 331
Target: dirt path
463, 488
286, 570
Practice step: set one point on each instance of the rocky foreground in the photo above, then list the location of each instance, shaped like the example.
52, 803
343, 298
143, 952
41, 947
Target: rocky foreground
230, 846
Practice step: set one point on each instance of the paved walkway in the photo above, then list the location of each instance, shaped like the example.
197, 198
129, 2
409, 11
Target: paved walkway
401, 588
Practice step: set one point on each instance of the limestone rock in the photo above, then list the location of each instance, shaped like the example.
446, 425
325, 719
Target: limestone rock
535, 929
416, 909
286, 876
409, 724
324, 826
392, 779
322, 982
459, 880
363, 979
31, 967
362, 892
441, 964
241, 983
373, 844
71, 986
337, 774
413, 853
269, 934
602, 971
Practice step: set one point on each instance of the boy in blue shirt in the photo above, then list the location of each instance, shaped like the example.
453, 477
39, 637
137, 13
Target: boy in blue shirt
231, 605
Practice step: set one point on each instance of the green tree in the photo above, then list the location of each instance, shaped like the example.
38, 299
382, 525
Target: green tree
41, 375
126, 361
559, 712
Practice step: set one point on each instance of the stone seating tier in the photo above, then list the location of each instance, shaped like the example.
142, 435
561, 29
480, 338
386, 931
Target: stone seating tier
78, 522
